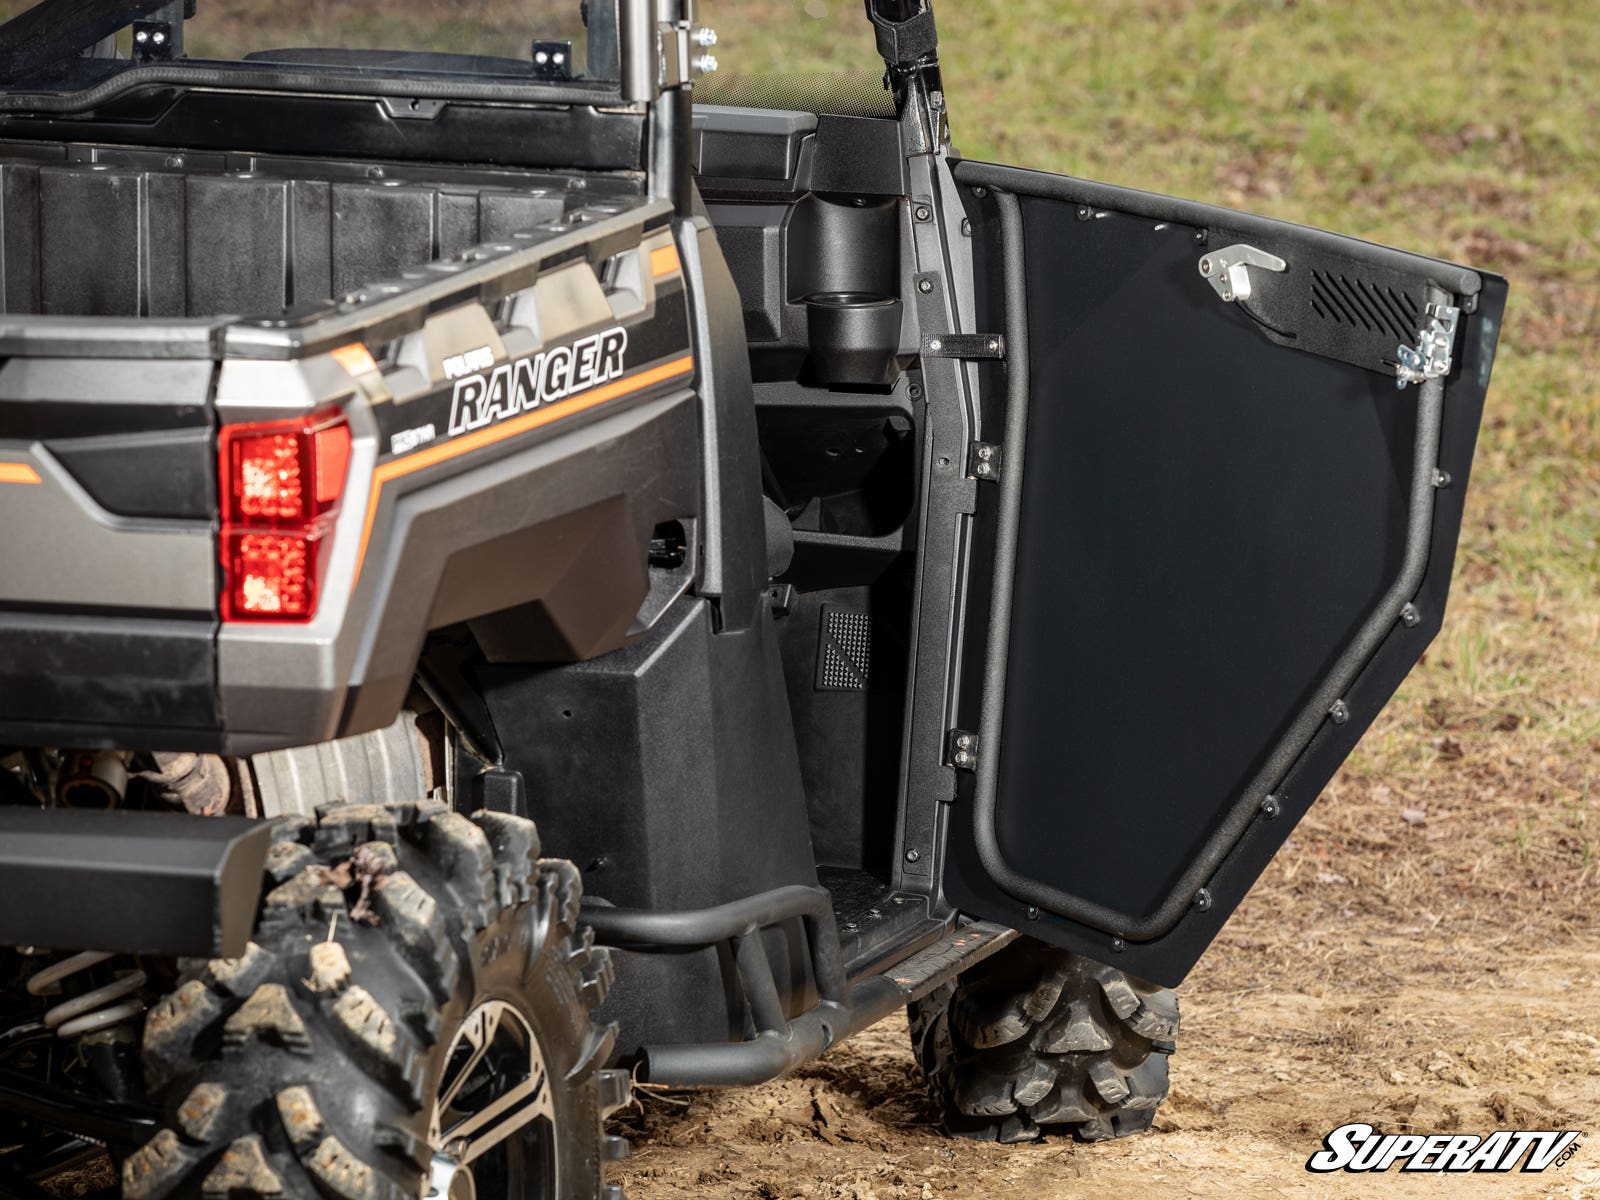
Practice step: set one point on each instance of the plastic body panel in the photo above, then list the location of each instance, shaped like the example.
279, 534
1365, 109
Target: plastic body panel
1207, 523
446, 517
108, 591
668, 770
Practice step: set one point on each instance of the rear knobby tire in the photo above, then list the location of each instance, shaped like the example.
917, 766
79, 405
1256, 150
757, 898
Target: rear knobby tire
310, 1066
1036, 1040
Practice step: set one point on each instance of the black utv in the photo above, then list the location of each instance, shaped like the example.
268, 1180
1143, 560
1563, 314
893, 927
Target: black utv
886, 580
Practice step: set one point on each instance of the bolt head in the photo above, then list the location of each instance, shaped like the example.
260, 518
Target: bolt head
1118, 945
923, 212
1205, 265
962, 758
913, 855
924, 286
142, 36
935, 344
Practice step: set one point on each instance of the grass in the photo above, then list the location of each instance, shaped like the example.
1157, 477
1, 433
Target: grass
1467, 130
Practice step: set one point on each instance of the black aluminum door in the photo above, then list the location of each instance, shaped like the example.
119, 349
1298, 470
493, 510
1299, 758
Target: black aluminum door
1233, 454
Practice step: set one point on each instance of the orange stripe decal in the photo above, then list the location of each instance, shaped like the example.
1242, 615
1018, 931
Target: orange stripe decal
444, 451
664, 261
355, 358
18, 473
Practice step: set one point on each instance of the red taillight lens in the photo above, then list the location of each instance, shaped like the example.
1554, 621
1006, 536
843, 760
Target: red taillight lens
271, 576
280, 487
286, 473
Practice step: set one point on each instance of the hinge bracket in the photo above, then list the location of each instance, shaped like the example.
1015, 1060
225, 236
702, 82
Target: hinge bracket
984, 460
1433, 355
964, 345
961, 749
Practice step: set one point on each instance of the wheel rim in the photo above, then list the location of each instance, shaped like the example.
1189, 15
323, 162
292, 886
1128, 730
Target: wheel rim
493, 1129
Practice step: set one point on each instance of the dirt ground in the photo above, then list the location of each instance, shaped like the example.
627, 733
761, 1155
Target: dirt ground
1423, 969
1423, 954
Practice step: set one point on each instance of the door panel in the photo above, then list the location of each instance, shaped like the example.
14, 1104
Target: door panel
1218, 544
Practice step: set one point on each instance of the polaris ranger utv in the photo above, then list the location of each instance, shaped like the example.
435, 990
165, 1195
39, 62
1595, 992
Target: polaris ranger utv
886, 580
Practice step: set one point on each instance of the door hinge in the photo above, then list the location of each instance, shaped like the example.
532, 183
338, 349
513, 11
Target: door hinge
1433, 355
1228, 270
983, 461
964, 345
961, 749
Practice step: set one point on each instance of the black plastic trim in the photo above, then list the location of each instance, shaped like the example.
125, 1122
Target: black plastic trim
262, 76
197, 881
98, 679
573, 135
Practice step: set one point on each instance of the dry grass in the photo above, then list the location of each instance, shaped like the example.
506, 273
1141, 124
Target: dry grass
1465, 130
1423, 952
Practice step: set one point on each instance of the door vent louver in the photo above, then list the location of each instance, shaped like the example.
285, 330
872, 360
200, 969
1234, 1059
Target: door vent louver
1365, 305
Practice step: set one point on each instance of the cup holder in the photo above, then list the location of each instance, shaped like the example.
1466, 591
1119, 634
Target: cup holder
853, 338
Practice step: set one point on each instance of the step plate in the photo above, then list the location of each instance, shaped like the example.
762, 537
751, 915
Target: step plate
927, 970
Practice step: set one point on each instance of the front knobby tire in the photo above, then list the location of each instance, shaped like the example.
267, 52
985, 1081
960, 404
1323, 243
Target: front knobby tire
1037, 1040
413, 1017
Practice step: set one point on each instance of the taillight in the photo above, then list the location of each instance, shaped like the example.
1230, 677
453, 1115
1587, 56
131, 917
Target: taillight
280, 487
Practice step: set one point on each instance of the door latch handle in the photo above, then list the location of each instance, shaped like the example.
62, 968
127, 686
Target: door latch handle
1228, 270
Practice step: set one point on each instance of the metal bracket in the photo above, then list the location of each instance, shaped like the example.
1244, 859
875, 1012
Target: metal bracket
964, 345
983, 461
152, 41
552, 60
1227, 270
961, 749
1433, 355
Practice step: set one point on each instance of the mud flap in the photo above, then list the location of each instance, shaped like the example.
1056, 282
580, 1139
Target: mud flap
1234, 453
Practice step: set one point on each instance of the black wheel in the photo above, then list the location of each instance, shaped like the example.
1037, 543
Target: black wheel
413, 1018
1036, 1039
